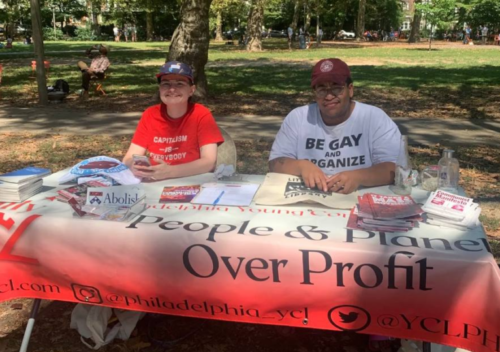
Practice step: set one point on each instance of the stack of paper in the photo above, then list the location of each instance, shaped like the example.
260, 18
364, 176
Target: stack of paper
22, 184
385, 213
451, 210
226, 194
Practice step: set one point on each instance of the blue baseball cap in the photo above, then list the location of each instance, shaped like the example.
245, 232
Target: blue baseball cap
175, 68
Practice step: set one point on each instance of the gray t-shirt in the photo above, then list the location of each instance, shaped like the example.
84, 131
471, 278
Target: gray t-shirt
366, 138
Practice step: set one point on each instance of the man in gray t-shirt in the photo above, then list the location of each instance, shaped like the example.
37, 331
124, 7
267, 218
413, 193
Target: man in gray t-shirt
336, 144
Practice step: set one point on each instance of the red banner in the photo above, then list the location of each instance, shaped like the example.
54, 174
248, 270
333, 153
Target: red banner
291, 266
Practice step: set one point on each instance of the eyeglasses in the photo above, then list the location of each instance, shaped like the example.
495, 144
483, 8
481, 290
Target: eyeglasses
322, 92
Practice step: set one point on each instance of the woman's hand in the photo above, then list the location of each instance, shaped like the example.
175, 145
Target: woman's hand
158, 172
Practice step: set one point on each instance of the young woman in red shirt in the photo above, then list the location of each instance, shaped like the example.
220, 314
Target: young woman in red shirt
179, 137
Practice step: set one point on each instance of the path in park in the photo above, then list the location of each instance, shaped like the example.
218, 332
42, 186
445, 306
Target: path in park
61, 119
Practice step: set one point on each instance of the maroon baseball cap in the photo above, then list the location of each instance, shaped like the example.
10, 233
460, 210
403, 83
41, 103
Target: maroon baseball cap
330, 71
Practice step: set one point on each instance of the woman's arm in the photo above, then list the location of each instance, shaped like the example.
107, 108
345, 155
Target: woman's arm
128, 160
163, 171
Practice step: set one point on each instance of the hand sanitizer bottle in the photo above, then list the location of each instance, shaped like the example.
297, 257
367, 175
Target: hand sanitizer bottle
402, 178
448, 172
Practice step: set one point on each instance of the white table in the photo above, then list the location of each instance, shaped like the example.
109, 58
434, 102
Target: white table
294, 265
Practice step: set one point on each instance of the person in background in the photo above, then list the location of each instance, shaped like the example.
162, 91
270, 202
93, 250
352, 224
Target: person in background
179, 137
9, 43
116, 33
302, 38
126, 32
98, 66
320, 36
290, 36
133, 32
484, 34
466, 35
336, 144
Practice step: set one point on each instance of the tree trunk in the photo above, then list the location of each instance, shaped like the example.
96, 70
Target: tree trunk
296, 13
218, 31
254, 30
307, 15
361, 20
191, 40
96, 27
415, 26
430, 38
36, 24
317, 30
149, 20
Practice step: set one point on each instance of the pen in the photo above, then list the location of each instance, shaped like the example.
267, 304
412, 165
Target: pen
216, 201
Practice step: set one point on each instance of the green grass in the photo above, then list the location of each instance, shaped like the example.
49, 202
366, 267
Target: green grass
450, 81
50, 46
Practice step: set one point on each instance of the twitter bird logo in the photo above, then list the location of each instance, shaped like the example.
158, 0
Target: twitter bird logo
348, 318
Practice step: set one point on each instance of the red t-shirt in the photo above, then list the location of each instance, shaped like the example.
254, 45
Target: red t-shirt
176, 141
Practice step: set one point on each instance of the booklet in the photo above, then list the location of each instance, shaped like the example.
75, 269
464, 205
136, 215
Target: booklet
393, 207
22, 176
226, 194
448, 205
451, 210
179, 194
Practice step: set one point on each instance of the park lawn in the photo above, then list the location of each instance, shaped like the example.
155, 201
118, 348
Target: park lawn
451, 81
68, 45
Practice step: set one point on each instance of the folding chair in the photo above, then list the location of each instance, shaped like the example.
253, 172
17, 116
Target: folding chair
98, 82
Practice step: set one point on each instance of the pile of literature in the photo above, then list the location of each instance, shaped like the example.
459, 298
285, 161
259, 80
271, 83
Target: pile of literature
451, 210
376, 212
78, 192
113, 203
19, 185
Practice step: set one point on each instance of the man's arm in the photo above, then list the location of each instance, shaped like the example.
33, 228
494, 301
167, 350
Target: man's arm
311, 174
349, 181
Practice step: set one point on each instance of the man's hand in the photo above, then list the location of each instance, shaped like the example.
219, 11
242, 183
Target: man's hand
313, 176
344, 182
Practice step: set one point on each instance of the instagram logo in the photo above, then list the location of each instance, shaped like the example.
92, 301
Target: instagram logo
87, 294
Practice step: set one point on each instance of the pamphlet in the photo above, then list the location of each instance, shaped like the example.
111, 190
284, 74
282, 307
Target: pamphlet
447, 204
79, 192
179, 194
450, 210
393, 207
376, 212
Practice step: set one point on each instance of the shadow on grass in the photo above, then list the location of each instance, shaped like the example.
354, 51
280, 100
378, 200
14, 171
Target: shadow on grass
423, 49
409, 91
